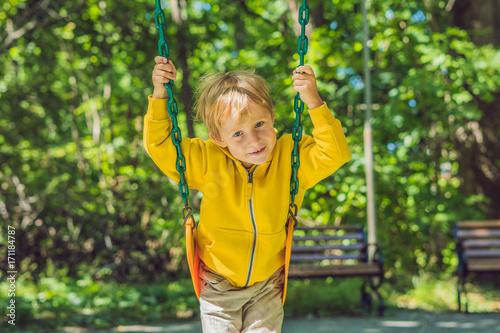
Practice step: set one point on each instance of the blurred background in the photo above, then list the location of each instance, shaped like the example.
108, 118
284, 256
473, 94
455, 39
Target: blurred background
99, 237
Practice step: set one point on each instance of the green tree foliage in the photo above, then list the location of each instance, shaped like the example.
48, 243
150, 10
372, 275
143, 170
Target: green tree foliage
86, 199
75, 179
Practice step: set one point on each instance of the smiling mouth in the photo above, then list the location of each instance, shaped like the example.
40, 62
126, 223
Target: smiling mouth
258, 151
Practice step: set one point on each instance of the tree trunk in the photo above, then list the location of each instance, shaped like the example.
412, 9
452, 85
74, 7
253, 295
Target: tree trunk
480, 19
479, 148
187, 90
180, 18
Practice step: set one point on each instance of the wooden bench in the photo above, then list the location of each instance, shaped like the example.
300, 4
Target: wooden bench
478, 250
320, 252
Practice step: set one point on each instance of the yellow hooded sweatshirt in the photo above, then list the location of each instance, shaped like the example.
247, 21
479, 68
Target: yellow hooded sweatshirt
241, 233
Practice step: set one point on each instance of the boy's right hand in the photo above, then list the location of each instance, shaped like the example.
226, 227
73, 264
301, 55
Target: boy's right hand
163, 71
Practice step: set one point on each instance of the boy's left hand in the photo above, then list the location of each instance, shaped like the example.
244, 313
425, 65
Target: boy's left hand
304, 83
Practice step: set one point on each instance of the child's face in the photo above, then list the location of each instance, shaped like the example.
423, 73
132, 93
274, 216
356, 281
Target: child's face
250, 140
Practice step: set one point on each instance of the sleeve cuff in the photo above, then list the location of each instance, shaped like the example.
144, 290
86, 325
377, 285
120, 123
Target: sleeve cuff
157, 108
322, 117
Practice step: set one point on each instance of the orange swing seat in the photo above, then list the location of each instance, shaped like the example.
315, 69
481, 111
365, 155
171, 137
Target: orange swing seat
193, 255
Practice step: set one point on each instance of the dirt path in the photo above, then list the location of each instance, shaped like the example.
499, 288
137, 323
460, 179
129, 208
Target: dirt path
394, 322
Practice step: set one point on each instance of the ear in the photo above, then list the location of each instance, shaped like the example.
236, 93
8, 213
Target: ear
218, 141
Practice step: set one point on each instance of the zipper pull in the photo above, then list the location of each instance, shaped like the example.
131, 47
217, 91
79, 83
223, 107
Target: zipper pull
250, 175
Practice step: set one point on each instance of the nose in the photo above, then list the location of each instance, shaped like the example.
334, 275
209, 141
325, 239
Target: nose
254, 139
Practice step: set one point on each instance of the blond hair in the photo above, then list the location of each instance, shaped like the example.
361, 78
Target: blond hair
224, 94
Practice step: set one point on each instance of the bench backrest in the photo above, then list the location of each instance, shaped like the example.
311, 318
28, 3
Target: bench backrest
478, 244
329, 245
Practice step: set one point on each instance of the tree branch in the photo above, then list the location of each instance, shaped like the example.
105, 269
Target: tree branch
253, 14
449, 5
38, 17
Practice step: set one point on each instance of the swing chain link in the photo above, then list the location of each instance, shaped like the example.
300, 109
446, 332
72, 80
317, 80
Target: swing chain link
302, 41
293, 210
164, 51
187, 213
302, 46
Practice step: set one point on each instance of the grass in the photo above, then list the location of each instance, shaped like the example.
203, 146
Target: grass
427, 292
56, 303
323, 297
53, 304
430, 293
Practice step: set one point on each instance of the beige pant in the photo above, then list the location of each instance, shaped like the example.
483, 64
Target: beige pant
227, 309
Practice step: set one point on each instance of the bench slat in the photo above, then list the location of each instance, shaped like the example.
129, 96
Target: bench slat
478, 233
483, 265
479, 224
356, 227
327, 237
360, 269
318, 248
321, 257
482, 254
482, 243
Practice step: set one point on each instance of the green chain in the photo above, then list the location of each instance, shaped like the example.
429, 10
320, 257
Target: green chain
172, 109
302, 44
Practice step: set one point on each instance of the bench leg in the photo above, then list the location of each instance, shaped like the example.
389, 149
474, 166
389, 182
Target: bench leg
371, 286
381, 305
462, 290
366, 297
466, 300
375, 283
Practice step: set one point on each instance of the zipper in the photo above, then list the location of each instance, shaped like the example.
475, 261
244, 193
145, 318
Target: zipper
254, 226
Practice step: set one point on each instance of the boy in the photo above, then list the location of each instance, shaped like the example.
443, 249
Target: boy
244, 174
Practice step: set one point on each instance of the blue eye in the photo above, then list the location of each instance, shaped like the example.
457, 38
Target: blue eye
259, 124
238, 134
